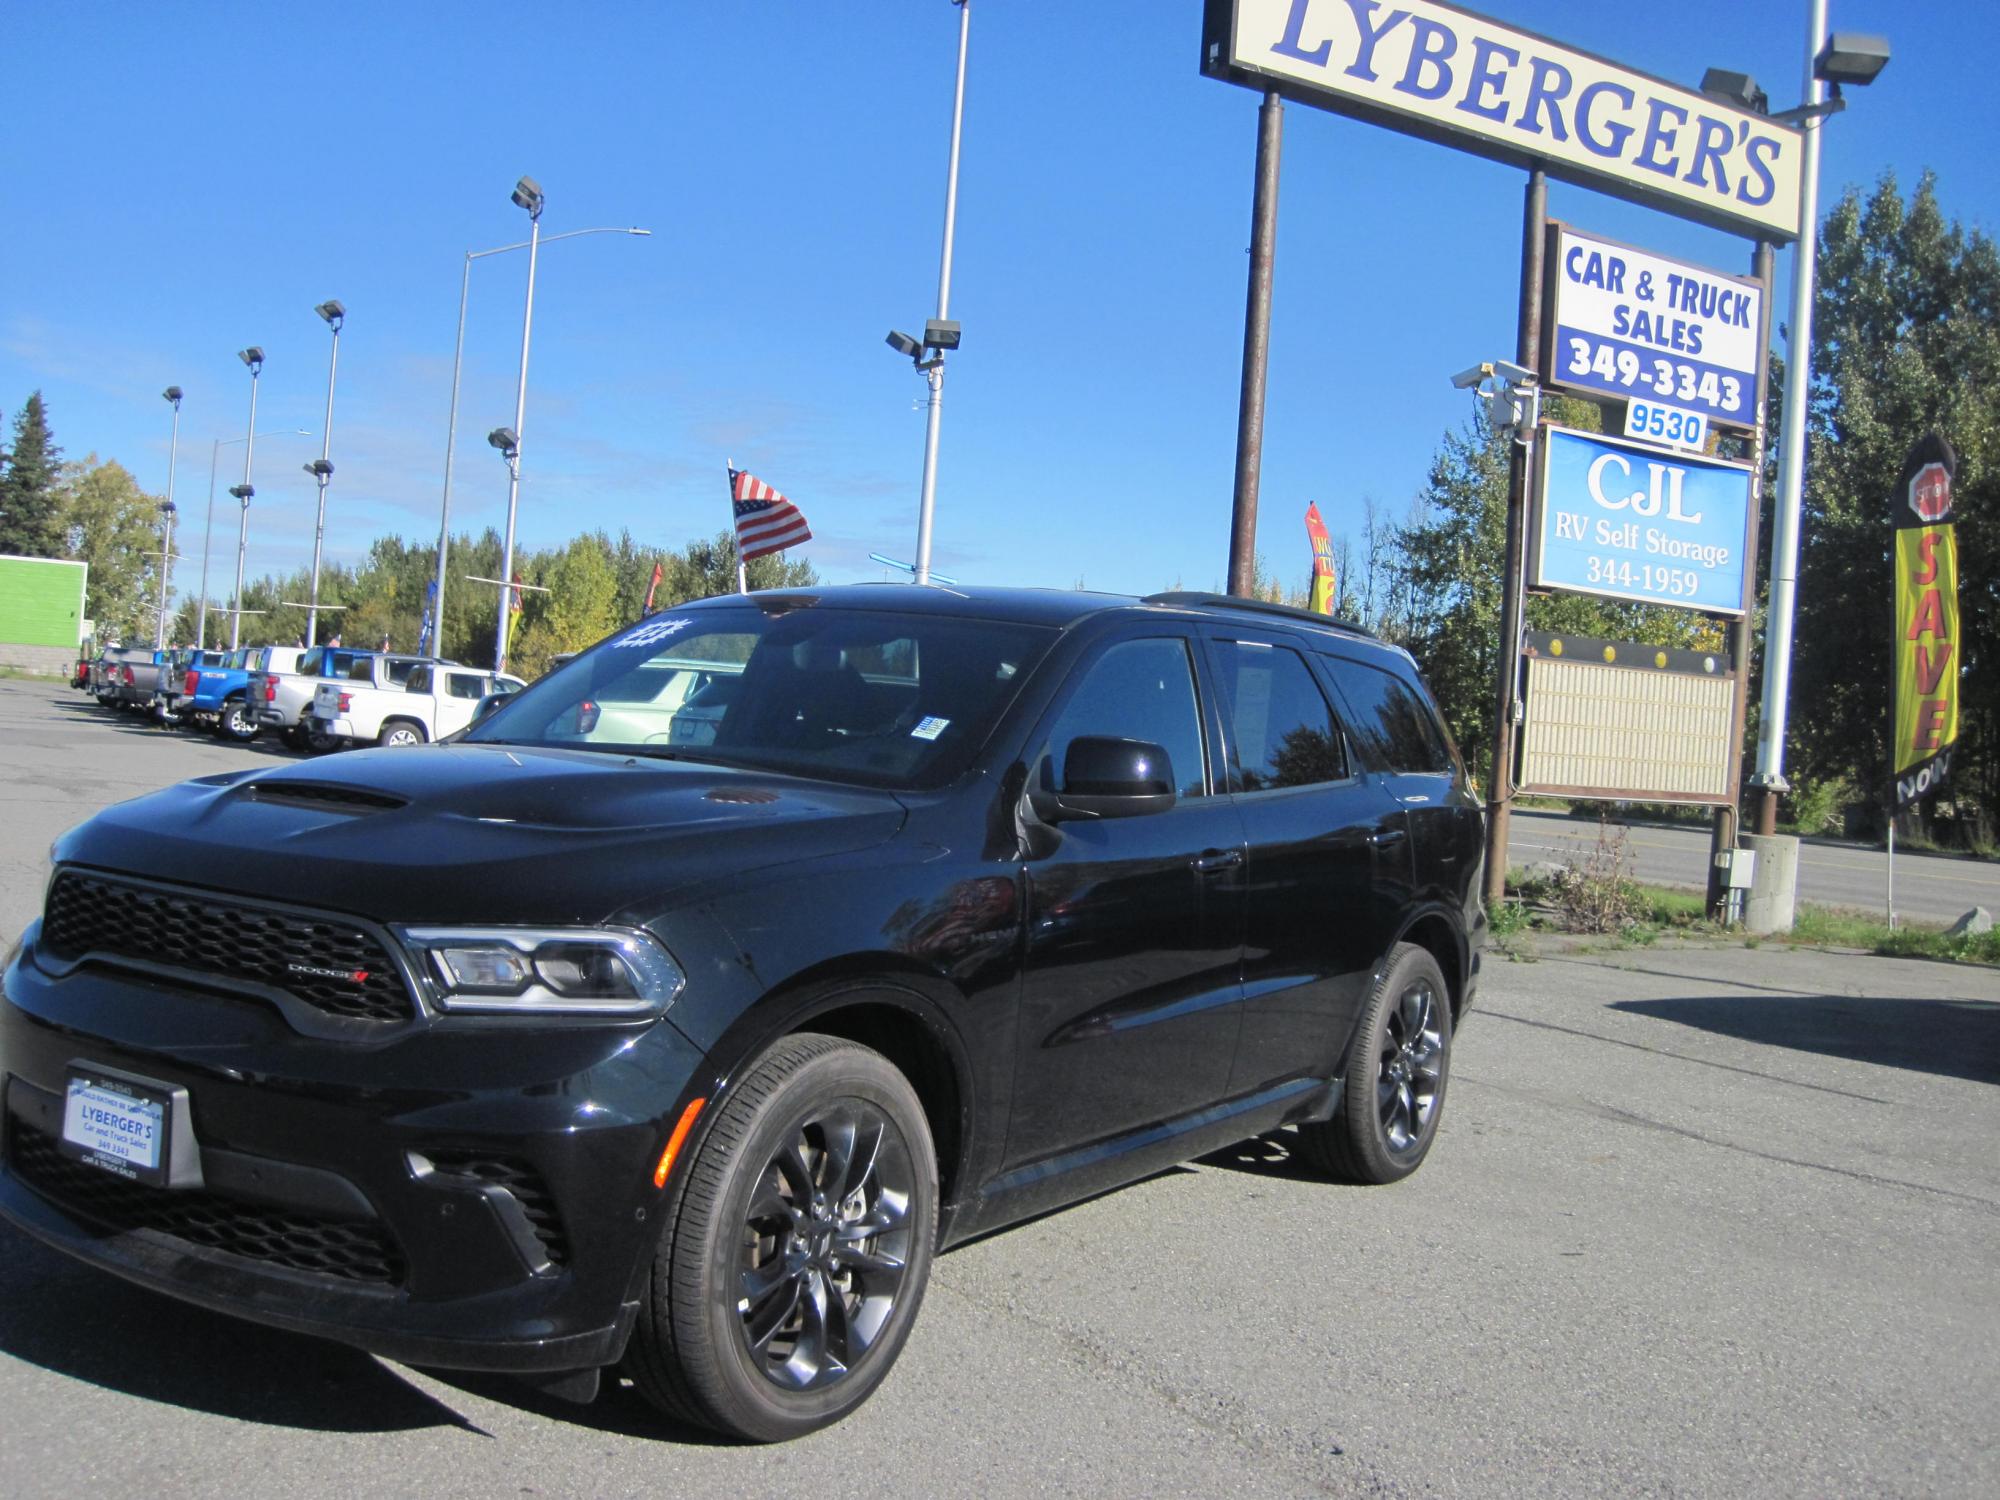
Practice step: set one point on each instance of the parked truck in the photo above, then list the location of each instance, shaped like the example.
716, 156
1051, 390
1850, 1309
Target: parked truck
218, 696
281, 696
435, 699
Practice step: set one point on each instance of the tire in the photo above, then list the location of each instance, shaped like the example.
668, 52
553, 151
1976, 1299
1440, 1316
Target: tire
235, 723
320, 744
1396, 1076
751, 1226
400, 734
294, 739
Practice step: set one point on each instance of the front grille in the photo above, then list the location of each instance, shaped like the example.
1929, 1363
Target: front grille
519, 1179
333, 966
353, 1250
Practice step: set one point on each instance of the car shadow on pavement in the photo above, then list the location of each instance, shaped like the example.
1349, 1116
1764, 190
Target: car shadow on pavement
618, 1410
92, 1327
1273, 1154
1951, 1038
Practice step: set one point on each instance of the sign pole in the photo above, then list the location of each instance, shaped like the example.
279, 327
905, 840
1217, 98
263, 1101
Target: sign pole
742, 570
1527, 352
1256, 348
1728, 820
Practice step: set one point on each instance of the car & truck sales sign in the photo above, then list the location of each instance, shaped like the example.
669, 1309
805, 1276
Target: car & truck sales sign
1633, 324
1465, 80
1632, 522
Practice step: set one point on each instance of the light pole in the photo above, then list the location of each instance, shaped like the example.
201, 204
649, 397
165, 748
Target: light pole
940, 334
527, 194
1845, 58
321, 469
173, 394
254, 358
208, 527
451, 427
508, 442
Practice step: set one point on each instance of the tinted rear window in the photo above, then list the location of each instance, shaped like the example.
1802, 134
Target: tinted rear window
1391, 719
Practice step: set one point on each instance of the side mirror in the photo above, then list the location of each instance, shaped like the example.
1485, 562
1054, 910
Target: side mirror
1109, 778
483, 709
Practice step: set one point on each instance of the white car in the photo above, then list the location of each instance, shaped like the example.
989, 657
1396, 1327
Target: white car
436, 699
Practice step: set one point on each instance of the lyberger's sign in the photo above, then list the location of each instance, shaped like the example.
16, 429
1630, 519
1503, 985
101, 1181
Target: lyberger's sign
1445, 74
1927, 662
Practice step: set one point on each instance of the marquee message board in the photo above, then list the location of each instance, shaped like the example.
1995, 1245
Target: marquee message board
1467, 81
1636, 325
1626, 722
1626, 521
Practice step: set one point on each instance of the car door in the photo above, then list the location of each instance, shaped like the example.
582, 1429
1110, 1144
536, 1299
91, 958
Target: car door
1133, 924
1328, 858
456, 695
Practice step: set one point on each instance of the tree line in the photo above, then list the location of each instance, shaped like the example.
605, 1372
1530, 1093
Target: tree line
1906, 337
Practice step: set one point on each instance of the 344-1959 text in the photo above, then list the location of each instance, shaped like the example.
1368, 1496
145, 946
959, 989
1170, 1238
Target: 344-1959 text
1616, 572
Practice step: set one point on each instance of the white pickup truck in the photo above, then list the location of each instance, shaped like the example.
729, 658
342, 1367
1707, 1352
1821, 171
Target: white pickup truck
436, 699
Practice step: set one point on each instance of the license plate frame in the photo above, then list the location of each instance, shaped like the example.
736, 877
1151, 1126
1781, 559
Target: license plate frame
133, 1127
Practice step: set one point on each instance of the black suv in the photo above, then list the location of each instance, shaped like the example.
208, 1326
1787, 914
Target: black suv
682, 1009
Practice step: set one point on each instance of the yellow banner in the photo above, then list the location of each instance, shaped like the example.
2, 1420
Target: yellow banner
1927, 646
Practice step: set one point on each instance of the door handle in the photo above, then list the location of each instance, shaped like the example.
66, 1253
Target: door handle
1387, 838
1217, 859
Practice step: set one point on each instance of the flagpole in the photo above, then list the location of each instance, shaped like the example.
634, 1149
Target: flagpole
742, 573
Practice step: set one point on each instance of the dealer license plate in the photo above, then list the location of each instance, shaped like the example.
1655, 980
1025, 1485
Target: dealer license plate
118, 1125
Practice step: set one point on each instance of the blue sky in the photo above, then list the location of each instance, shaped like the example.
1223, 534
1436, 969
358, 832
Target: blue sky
186, 180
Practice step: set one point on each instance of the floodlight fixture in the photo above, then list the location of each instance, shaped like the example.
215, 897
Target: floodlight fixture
333, 312
168, 508
243, 492
902, 343
528, 194
1729, 87
506, 440
172, 393
940, 333
253, 357
320, 469
1851, 57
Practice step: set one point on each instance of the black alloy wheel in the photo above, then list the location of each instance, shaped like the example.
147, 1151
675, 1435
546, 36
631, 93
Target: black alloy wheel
799, 1249
1396, 1077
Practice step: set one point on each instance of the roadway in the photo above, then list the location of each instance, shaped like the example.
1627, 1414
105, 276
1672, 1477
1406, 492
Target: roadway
1937, 888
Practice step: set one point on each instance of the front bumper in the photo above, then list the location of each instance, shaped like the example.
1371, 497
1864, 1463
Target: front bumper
472, 1197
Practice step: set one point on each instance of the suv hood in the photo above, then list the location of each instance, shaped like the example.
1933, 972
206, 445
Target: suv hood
479, 833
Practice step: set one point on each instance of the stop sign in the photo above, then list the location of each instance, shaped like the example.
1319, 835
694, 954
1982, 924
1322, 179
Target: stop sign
1930, 492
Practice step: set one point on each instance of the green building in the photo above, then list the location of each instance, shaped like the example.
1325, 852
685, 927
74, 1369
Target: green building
41, 612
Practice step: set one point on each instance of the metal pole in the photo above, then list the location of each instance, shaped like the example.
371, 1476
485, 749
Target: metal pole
323, 476
1892, 868
1256, 348
742, 569
934, 366
243, 528
450, 446
1770, 776
1724, 901
1507, 670
514, 463
207, 535
167, 555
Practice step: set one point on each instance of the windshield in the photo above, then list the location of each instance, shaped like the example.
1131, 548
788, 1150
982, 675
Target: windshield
849, 695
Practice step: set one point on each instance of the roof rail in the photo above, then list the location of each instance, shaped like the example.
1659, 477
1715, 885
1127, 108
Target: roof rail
1258, 606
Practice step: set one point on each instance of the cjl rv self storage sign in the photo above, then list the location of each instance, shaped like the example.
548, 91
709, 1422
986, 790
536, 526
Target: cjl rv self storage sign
1631, 522
1633, 324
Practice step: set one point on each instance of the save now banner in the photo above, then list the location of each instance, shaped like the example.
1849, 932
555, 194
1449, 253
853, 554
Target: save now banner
1927, 638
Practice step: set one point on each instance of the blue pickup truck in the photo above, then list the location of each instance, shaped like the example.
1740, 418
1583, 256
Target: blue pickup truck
217, 695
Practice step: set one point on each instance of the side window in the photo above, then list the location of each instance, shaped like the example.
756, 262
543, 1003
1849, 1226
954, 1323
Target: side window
1138, 690
1397, 726
360, 669
420, 681
1279, 723
462, 684
399, 671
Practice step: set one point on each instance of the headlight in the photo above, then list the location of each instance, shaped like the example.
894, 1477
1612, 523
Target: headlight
548, 972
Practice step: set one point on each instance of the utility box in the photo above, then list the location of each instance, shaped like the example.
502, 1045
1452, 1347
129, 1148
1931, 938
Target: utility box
41, 612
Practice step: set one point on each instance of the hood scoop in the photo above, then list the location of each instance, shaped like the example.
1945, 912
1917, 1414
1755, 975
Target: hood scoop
324, 796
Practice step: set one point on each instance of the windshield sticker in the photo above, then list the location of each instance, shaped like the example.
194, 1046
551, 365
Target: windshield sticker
651, 633
929, 729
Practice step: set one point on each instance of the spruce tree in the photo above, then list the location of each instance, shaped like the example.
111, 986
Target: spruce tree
30, 507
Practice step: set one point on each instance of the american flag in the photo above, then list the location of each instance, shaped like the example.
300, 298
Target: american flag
766, 521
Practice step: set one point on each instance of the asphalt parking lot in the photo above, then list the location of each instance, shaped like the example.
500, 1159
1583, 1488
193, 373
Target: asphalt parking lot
1701, 1221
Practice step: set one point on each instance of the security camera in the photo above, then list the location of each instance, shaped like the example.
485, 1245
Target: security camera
1472, 379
